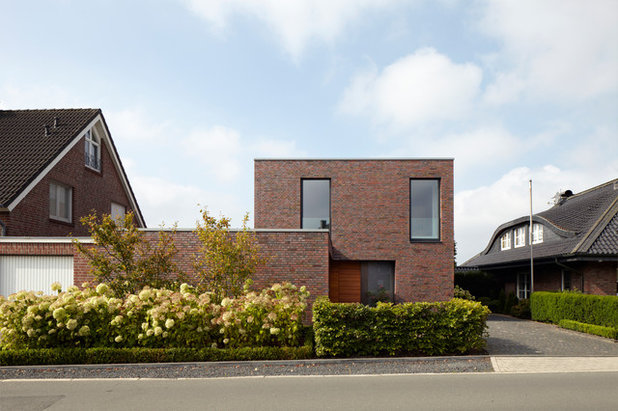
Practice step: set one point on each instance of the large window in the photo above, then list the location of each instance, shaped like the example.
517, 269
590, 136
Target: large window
377, 281
520, 237
60, 202
93, 150
118, 211
424, 209
315, 196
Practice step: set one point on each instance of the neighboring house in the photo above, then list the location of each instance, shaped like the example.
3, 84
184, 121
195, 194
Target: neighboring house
574, 245
390, 222
55, 167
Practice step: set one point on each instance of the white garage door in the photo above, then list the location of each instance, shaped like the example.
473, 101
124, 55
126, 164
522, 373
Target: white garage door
34, 273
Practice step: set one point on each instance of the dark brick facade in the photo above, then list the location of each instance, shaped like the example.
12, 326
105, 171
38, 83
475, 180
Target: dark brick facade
92, 190
370, 215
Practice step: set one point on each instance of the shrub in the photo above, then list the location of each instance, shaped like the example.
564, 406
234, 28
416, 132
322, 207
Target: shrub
607, 332
225, 261
521, 309
344, 330
106, 355
154, 318
125, 260
586, 308
459, 292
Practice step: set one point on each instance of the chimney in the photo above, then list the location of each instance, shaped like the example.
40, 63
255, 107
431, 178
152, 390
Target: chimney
56, 122
46, 130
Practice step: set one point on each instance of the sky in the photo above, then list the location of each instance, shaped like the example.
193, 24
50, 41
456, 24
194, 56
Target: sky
194, 90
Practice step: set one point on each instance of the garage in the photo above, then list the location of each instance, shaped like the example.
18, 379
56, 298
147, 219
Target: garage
34, 273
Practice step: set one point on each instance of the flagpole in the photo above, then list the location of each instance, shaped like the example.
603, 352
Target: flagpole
530, 242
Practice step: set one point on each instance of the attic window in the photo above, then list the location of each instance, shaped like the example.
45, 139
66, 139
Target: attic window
520, 237
537, 233
93, 150
505, 241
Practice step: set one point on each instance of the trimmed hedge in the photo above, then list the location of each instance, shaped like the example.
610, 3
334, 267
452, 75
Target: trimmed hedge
100, 355
607, 332
585, 308
345, 330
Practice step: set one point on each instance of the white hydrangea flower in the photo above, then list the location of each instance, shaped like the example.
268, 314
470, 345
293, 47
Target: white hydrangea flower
169, 323
102, 288
158, 331
84, 331
71, 324
118, 338
274, 331
56, 286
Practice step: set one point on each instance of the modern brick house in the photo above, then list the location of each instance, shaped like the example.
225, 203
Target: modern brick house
574, 244
390, 222
55, 167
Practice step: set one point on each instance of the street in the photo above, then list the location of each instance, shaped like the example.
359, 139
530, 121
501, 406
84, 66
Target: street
562, 391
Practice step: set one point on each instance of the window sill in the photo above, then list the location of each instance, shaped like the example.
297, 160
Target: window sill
428, 240
93, 170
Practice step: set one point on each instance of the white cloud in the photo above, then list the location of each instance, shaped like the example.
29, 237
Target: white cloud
134, 125
295, 23
479, 211
165, 201
419, 88
553, 49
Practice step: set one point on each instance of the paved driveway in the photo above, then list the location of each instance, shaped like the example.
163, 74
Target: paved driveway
512, 336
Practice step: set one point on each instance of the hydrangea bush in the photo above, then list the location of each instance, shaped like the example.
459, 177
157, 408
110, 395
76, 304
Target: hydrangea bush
93, 317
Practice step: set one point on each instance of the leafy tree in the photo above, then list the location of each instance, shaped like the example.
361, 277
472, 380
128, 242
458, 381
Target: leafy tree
225, 260
125, 260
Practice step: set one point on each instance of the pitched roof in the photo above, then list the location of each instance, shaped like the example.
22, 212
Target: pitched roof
584, 224
25, 150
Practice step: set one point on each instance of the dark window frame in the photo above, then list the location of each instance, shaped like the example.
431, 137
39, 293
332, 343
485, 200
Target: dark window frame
330, 202
425, 240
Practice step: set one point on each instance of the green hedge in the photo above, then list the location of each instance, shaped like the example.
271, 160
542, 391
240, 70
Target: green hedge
586, 308
59, 356
607, 332
345, 330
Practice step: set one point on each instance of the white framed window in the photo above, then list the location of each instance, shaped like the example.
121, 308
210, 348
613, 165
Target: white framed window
523, 285
92, 149
520, 237
505, 241
118, 211
537, 233
60, 202
566, 281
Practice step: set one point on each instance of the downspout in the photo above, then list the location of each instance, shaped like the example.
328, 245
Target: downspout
566, 267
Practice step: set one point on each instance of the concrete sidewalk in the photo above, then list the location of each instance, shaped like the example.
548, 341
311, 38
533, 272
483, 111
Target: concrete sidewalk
514, 364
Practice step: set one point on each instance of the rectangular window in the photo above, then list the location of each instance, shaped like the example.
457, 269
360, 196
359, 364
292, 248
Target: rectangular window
520, 237
60, 199
566, 281
315, 195
523, 285
92, 150
505, 241
424, 209
377, 281
537, 233
118, 211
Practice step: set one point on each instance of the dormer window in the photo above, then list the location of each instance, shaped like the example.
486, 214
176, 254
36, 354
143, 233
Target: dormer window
93, 150
537, 233
520, 237
505, 241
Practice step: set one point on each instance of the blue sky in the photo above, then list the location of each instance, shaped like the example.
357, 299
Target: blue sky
193, 90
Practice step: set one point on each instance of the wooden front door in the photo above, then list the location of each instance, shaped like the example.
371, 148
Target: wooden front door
344, 282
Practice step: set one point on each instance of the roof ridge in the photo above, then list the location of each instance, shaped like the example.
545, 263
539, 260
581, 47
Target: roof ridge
50, 109
594, 188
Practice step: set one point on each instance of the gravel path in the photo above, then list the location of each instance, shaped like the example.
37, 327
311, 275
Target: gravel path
512, 336
256, 368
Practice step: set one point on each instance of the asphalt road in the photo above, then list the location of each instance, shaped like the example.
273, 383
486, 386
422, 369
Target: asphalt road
563, 391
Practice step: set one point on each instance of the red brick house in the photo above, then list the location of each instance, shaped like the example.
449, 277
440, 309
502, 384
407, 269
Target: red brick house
390, 222
350, 229
55, 167
574, 245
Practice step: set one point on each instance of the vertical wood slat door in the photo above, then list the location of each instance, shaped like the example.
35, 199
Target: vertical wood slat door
34, 273
345, 282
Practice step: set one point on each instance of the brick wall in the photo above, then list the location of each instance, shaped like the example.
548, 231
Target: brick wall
91, 191
295, 256
370, 216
